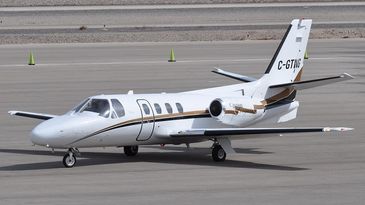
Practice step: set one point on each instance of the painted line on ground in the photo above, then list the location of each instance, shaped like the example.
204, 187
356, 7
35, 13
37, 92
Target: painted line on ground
149, 62
179, 6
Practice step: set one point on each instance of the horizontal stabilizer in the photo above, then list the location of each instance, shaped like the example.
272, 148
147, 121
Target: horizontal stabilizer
233, 75
254, 131
40, 116
301, 85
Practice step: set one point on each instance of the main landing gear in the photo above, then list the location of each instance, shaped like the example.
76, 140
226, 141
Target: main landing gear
130, 150
69, 160
218, 153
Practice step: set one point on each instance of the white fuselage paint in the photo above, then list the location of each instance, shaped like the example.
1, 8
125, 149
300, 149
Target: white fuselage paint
136, 127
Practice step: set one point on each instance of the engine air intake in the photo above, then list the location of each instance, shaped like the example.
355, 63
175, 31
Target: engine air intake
215, 108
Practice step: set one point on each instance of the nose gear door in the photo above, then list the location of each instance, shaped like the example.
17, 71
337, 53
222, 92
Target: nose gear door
147, 120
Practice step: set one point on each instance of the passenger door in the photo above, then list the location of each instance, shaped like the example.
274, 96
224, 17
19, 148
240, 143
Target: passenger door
147, 120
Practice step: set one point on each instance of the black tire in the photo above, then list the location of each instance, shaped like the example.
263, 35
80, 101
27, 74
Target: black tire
131, 150
218, 154
69, 160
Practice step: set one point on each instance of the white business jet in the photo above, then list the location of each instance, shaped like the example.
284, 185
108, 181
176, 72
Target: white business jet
219, 114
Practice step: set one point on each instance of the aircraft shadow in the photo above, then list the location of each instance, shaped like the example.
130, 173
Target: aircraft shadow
199, 149
102, 158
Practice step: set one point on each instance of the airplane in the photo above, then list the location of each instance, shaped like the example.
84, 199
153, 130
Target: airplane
218, 114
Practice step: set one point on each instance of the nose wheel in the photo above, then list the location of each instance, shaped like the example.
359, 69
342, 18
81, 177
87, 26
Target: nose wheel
69, 160
218, 153
130, 150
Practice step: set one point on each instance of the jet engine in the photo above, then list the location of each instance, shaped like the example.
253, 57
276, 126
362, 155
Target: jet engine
234, 111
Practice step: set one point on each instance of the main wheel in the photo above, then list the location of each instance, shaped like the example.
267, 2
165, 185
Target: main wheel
218, 153
130, 150
69, 160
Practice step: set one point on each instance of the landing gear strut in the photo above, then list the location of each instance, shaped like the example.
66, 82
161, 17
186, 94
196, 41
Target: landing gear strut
130, 150
69, 160
218, 153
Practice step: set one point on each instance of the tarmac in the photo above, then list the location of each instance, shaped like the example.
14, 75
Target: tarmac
290, 169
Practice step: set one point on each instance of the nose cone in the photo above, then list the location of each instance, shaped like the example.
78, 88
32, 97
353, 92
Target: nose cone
43, 134
60, 131
51, 132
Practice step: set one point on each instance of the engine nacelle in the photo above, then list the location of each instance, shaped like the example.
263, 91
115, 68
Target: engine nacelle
234, 111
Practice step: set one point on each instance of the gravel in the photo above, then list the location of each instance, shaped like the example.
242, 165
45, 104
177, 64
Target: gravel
171, 36
132, 26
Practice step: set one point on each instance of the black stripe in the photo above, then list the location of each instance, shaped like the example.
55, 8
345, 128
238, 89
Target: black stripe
33, 116
266, 131
283, 101
205, 115
304, 82
277, 51
163, 119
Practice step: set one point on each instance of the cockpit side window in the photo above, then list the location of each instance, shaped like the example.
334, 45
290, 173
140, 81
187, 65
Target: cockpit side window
118, 107
100, 106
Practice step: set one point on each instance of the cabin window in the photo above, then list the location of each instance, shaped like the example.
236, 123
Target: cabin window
157, 108
100, 106
146, 109
118, 107
179, 108
168, 108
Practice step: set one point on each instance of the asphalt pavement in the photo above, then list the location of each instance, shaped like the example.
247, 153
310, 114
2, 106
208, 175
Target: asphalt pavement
291, 169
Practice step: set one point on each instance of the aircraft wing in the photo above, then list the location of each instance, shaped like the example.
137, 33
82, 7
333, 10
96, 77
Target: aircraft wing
40, 116
253, 132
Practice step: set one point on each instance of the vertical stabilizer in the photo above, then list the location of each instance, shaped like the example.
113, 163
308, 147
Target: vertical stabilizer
287, 62
286, 66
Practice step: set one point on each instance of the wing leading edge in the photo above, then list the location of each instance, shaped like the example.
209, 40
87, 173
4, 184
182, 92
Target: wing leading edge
254, 131
40, 116
301, 85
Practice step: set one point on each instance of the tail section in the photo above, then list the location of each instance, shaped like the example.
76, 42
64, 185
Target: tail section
287, 63
282, 78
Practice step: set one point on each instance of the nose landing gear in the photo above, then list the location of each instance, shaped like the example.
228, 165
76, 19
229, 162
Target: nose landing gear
69, 160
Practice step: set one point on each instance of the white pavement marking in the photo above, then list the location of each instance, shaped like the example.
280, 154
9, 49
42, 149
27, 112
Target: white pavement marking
183, 6
171, 26
149, 62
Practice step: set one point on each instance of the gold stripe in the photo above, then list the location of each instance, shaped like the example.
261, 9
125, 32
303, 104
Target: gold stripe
273, 99
241, 109
278, 97
232, 112
282, 95
238, 110
158, 117
299, 76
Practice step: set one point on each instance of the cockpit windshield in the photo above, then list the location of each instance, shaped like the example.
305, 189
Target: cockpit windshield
100, 106
79, 106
